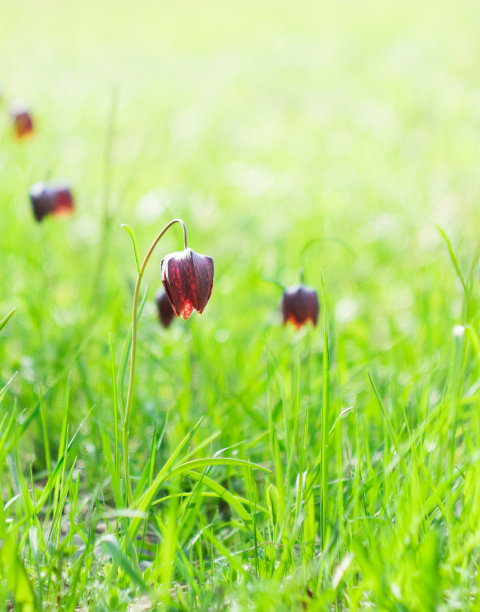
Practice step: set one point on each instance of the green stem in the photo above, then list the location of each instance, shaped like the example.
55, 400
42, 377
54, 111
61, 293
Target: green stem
325, 420
133, 354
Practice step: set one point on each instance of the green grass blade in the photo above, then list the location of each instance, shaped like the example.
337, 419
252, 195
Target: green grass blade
6, 318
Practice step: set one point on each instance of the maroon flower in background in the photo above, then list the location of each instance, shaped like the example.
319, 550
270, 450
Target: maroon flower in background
63, 200
42, 200
165, 310
22, 120
188, 280
299, 305
50, 200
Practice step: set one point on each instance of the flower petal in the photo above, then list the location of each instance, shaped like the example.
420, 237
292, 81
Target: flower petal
188, 280
42, 199
63, 200
165, 310
22, 120
299, 305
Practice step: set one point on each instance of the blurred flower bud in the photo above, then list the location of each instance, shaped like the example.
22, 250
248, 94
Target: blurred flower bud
50, 200
299, 305
22, 120
165, 310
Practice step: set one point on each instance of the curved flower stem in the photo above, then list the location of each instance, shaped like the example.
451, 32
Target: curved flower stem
128, 405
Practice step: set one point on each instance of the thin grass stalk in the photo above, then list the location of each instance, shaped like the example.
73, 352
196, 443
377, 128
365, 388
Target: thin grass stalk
133, 353
325, 411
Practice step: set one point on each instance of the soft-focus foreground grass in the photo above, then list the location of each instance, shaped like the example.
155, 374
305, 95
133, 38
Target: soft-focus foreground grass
264, 125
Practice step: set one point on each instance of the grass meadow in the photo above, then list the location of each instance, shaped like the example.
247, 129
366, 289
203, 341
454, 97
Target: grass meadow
336, 467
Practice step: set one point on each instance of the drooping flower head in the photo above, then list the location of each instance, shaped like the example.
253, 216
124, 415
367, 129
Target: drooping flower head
188, 280
50, 200
63, 200
22, 120
165, 310
42, 200
299, 305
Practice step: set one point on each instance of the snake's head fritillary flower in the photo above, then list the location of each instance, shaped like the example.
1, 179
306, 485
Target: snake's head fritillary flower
50, 200
42, 200
63, 200
188, 280
299, 305
165, 310
22, 120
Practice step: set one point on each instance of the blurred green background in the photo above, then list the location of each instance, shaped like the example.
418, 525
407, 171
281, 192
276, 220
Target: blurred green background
265, 126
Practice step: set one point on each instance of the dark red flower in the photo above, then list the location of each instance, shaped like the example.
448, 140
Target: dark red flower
63, 200
22, 120
50, 199
188, 280
165, 310
299, 305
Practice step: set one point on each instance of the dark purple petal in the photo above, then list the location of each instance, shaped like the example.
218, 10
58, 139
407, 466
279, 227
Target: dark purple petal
42, 199
299, 305
188, 280
164, 307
